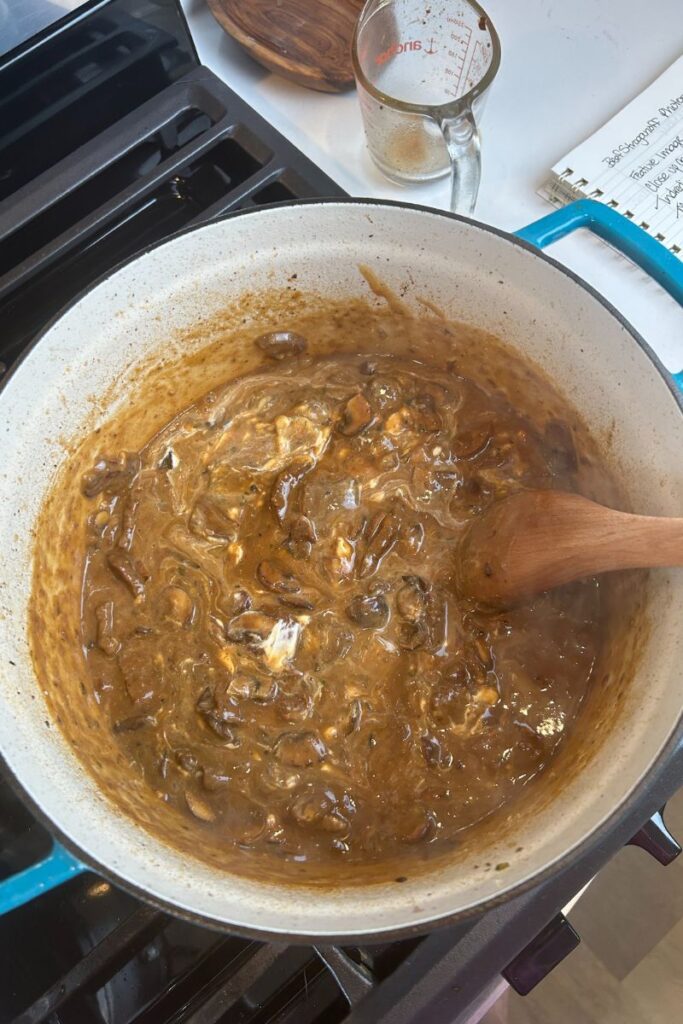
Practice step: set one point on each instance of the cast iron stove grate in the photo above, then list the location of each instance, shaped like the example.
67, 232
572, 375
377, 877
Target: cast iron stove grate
190, 154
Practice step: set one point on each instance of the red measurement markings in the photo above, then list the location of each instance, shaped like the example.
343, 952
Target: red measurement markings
463, 39
410, 46
477, 65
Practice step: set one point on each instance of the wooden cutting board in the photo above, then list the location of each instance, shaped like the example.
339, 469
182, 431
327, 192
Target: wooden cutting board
307, 41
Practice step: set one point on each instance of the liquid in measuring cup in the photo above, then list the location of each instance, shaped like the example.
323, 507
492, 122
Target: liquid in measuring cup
406, 147
417, 65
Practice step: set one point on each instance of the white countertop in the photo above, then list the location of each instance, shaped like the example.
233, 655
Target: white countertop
568, 65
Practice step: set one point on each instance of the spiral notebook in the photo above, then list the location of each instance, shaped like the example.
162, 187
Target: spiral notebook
634, 163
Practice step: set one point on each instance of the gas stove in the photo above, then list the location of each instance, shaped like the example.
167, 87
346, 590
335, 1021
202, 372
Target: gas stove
112, 136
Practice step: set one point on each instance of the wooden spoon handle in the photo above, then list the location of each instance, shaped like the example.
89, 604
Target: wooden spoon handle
625, 541
534, 541
615, 540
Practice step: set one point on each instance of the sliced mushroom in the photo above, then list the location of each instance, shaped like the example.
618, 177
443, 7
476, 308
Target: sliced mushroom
334, 639
128, 524
110, 475
300, 749
184, 544
318, 807
236, 601
302, 537
356, 416
305, 600
216, 630
186, 760
281, 344
286, 481
369, 611
383, 534
276, 577
417, 825
411, 599
200, 807
106, 641
214, 521
128, 571
309, 806
250, 628
253, 688
227, 707
479, 650
355, 715
133, 723
297, 697
224, 730
206, 702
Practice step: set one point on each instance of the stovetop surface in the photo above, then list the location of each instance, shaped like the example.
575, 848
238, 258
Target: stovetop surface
112, 137
88, 953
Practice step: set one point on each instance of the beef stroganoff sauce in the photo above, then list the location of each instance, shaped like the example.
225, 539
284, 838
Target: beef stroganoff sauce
271, 635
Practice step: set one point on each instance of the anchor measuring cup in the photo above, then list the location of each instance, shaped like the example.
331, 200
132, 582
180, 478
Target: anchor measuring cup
422, 68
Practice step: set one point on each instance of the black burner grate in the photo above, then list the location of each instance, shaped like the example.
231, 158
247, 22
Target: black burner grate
144, 967
192, 153
90, 68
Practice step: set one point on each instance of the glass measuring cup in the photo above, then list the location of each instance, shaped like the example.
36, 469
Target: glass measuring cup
422, 68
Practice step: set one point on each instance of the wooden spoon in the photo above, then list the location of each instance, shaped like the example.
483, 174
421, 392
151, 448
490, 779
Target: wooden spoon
536, 540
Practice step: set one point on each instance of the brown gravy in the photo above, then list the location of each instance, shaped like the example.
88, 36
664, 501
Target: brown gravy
270, 627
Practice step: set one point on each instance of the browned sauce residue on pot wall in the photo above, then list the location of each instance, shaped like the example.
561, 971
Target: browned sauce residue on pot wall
272, 668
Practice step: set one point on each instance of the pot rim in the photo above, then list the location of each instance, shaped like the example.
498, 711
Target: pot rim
580, 850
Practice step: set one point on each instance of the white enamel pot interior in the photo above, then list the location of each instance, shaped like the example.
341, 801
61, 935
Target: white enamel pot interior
474, 274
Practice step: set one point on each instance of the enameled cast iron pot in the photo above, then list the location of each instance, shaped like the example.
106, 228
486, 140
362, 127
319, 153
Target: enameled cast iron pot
474, 273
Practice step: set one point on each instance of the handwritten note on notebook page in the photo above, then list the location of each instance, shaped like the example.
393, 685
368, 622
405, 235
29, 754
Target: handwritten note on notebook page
634, 163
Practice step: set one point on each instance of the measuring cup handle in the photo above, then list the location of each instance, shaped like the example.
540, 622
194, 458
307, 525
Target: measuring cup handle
462, 139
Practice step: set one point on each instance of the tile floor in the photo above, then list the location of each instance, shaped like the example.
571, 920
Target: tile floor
629, 966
